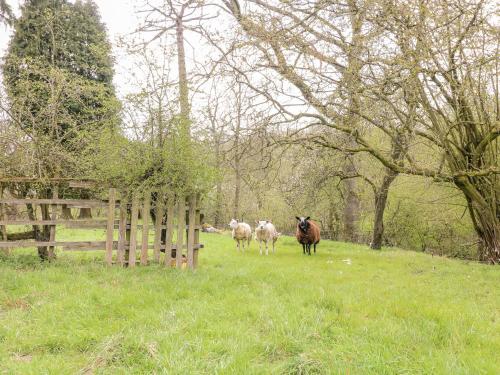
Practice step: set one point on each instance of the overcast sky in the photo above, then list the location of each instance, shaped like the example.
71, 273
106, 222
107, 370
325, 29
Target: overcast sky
119, 17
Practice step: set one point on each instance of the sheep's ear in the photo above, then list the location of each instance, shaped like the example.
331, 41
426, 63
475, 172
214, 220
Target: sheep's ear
298, 218
307, 218
256, 221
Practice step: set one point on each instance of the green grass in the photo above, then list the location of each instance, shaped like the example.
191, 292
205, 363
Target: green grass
389, 312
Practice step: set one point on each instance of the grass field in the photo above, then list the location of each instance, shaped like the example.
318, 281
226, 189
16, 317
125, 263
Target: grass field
346, 310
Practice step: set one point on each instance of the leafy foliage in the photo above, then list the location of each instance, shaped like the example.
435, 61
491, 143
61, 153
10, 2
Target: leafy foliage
179, 165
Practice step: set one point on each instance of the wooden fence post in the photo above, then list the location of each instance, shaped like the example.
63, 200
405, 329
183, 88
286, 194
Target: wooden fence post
145, 227
110, 230
133, 232
191, 220
181, 226
122, 230
53, 216
158, 228
170, 231
3, 216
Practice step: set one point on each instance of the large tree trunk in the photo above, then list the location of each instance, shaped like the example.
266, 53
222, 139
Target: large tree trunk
351, 206
218, 215
399, 148
380, 204
237, 190
48, 252
42, 251
182, 71
41, 233
237, 162
484, 210
352, 83
333, 221
66, 212
85, 213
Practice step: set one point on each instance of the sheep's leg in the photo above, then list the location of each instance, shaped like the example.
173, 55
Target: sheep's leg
243, 245
238, 245
314, 248
267, 248
308, 249
273, 247
260, 247
304, 248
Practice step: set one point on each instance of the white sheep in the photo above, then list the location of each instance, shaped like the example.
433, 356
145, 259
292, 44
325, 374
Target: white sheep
241, 232
266, 232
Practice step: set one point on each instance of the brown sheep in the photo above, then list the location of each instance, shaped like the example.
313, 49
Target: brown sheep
307, 234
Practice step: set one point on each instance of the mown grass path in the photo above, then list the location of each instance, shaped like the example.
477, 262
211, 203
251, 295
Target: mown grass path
347, 310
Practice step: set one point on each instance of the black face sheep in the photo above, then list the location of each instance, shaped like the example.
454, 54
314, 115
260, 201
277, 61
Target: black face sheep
307, 234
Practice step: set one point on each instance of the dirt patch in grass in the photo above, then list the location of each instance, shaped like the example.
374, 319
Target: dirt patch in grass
17, 303
105, 353
22, 357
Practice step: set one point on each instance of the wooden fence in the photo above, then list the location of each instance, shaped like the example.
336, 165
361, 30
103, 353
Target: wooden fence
121, 216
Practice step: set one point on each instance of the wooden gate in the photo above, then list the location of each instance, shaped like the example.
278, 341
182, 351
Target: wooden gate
180, 216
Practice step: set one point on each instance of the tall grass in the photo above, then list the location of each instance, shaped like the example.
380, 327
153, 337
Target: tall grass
346, 310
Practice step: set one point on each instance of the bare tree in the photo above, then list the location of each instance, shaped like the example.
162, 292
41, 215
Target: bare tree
446, 83
177, 16
441, 61
218, 126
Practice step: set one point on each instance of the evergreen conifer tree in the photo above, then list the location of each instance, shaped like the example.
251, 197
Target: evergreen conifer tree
58, 75
5, 12
58, 72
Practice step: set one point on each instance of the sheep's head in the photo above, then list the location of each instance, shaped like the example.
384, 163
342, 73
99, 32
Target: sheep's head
233, 224
303, 223
262, 223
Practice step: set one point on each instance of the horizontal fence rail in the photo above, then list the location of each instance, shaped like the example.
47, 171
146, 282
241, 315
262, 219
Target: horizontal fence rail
80, 245
75, 203
81, 224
